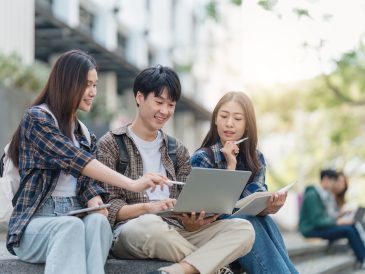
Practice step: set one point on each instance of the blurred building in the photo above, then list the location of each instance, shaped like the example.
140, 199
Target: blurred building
124, 37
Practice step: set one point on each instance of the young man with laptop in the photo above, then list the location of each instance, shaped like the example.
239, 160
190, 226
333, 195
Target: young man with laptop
194, 242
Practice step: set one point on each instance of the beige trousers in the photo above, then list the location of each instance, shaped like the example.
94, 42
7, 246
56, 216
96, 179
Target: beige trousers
207, 249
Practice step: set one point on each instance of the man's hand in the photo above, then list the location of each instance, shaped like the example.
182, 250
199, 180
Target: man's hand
193, 222
154, 207
96, 201
275, 202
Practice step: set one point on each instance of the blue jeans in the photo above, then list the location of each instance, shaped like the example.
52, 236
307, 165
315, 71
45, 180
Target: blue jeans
66, 244
268, 254
339, 232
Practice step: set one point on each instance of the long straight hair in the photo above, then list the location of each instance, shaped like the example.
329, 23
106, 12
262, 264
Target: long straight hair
247, 148
340, 197
62, 93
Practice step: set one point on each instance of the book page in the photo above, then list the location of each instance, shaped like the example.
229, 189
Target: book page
242, 202
256, 202
254, 205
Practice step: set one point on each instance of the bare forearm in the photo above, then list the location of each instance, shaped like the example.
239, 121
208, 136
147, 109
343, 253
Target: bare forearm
132, 211
96, 170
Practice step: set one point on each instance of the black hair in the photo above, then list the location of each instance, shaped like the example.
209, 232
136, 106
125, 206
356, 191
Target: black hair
156, 79
329, 173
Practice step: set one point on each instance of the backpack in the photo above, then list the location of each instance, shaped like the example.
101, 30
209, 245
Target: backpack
124, 157
10, 178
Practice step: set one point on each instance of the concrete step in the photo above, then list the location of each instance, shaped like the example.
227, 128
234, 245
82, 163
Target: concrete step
310, 256
317, 256
305, 250
328, 264
15, 266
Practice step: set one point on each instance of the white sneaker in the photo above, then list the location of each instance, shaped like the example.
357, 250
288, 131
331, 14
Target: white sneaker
224, 270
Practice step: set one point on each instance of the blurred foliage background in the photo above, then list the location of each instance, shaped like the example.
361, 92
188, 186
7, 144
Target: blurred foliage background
308, 125
315, 123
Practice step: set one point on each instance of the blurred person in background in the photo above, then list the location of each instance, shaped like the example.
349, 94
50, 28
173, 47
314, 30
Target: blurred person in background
319, 214
339, 190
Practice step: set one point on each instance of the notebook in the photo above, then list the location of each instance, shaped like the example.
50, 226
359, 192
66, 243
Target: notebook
256, 202
213, 190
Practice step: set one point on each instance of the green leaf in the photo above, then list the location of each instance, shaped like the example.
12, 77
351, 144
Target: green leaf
301, 13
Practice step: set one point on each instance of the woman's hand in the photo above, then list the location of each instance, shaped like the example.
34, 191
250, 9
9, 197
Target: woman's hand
230, 151
344, 221
154, 207
275, 202
96, 201
149, 180
193, 222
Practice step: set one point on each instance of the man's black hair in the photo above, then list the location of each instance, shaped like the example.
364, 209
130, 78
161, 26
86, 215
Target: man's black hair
155, 79
329, 173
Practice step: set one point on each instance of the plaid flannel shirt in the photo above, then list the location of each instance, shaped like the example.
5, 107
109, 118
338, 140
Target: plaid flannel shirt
255, 184
43, 152
108, 154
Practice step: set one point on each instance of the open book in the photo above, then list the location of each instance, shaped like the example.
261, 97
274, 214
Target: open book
256, 202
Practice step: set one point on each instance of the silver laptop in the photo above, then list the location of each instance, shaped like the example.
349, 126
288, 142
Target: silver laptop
215, 191
360, 216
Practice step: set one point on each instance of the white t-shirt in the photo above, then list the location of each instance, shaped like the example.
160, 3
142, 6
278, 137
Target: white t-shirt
66, 183
152, 161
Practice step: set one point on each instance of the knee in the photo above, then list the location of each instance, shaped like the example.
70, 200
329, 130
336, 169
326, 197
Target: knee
71, 223
147, 227
243, 230
96, 221
240, 225
69, 226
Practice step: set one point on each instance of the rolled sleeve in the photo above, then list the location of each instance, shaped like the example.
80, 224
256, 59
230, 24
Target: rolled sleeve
116, 205
91, 189
81, 159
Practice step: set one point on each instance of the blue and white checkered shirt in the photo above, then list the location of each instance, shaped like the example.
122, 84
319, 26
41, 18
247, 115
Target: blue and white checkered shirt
257, 181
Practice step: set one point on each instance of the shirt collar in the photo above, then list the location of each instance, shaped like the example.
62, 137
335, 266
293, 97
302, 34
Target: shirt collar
324, 194
124, 130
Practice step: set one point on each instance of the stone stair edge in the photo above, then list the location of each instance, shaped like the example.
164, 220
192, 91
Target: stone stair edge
328, 264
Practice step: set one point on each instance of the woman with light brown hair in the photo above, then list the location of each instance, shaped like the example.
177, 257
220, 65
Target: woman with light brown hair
234, 119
